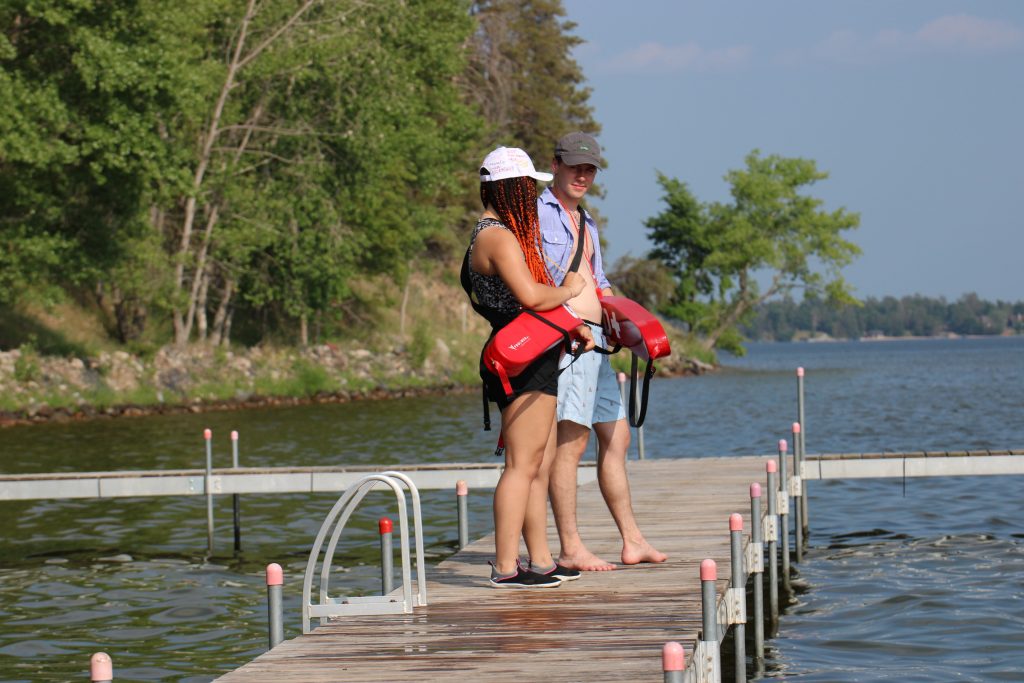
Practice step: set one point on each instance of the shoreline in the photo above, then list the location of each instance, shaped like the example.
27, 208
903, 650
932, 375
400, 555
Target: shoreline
47, 414
883, 338
199, 381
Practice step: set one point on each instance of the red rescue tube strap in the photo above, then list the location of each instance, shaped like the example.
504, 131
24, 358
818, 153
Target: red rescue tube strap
499, 370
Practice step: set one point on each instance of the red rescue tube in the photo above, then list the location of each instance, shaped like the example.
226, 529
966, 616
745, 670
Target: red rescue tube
627, 323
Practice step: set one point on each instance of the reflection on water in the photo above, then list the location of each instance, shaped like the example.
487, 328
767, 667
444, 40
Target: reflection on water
933, 595
912, 583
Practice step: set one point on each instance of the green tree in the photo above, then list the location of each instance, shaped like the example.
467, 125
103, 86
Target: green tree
646, 281
187, 161
334, 133
523, 78
715, 250
85, 89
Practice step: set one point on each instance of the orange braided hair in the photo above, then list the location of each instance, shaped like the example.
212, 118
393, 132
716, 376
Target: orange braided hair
515, 202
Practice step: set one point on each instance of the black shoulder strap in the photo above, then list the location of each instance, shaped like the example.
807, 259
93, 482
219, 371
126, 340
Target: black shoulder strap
637, 419
581, 239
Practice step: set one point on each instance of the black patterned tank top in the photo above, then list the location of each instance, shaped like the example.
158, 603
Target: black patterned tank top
490, 290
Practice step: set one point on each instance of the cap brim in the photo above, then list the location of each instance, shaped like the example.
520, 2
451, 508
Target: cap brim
536, 175
577, 159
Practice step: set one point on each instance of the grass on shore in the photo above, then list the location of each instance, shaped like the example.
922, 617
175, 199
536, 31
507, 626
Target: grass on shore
436, 346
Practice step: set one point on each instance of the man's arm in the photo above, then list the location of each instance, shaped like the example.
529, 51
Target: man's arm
599, 277
553, 240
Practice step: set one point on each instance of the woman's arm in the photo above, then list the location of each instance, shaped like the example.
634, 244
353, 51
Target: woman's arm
497, 252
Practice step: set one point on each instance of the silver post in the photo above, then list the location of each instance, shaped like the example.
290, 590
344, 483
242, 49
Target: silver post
275, 620
709, 660
673, 662
773, 551
803, 450
739, 584
757, 554
462, 496
784, 512
387, 555
208, 486
800, 399
101, 668
235, 502
798, 525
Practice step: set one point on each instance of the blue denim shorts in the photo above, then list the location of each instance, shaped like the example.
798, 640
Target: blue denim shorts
588, 391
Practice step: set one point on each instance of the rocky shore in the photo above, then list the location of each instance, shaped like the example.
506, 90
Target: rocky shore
37, 388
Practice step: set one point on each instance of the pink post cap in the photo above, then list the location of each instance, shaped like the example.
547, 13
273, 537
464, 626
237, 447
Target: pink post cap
673, 658
207, 434
755, 490
772, 466
461, 488
708, 570
735, 522
385, 526
275, 575
100, 667
783, 446
796, 427
799, 372
234, 435
621, 377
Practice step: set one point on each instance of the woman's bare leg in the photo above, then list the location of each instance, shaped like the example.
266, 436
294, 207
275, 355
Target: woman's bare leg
535, 527
525, 426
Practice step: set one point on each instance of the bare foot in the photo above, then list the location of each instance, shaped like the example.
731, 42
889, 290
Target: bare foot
585, 561
635, 553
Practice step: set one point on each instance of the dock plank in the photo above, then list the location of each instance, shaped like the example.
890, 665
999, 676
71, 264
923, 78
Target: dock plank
605, 626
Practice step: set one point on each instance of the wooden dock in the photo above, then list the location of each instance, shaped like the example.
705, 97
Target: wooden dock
605, 626
326, 478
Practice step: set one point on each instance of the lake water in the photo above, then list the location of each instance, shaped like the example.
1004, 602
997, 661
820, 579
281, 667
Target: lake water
916, 580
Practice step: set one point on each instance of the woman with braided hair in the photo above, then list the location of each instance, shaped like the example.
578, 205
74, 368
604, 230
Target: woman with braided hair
507, 275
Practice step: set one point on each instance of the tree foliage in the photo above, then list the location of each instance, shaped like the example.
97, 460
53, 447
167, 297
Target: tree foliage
916, 316
716, 250
647, 281
187, 162
85, 89
523, 78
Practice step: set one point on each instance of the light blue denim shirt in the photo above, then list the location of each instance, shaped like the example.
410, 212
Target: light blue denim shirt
559, 248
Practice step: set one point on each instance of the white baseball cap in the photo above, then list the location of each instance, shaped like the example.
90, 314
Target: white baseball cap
509, 162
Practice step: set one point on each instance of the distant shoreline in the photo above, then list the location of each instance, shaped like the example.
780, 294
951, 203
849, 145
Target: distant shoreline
885, 338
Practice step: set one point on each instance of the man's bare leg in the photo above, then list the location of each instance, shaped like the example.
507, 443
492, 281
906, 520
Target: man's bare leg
572, 442
613, 445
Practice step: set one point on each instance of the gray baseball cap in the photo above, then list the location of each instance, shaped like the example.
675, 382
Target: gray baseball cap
578, 148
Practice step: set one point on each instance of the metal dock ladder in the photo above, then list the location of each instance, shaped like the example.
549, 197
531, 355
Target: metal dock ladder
398, 601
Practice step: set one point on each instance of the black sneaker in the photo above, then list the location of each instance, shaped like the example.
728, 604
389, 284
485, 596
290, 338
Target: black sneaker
559, 572
523, 578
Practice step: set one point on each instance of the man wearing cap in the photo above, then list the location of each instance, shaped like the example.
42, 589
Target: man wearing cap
588, 394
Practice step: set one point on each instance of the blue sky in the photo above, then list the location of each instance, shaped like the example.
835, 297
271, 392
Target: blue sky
915, 108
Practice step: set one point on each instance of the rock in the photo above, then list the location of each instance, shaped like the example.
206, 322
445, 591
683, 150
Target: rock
444, 354
700, 366
116, 558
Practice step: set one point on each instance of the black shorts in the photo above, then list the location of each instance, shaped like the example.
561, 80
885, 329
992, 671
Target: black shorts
540, 375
